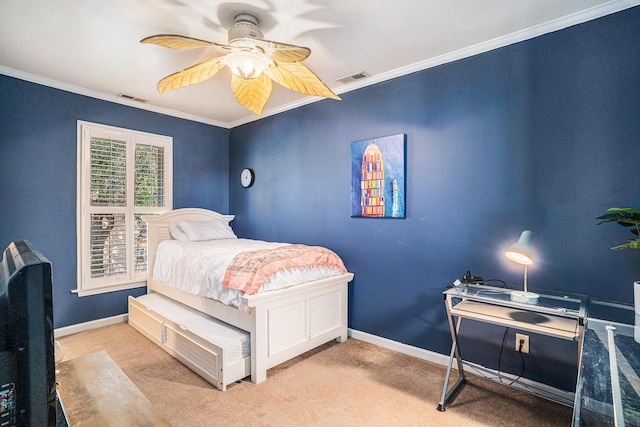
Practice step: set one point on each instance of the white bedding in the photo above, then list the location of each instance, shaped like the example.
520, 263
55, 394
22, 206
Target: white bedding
198, 268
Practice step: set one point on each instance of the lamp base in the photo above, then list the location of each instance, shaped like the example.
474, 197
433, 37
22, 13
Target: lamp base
524, 297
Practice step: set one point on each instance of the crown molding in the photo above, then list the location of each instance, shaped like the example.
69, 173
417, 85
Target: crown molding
516, 37
107, 97
519, 36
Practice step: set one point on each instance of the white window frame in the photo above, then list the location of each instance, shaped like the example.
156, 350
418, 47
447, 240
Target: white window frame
132, 279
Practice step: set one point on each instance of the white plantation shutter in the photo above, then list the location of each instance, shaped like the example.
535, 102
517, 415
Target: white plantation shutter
122, 175
150, 192
150, 175
108, 247
108, 171
140, 244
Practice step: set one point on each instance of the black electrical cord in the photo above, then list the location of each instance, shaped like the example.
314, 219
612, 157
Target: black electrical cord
522, 361
500, 358
501, 282
500, 354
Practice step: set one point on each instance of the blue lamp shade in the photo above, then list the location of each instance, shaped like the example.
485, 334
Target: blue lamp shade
521, 251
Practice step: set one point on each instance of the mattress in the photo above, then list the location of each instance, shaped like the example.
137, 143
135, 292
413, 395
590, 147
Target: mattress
235, 342
198, 268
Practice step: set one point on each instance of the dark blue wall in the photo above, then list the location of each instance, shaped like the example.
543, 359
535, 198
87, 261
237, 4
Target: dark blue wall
38, 154
540, 135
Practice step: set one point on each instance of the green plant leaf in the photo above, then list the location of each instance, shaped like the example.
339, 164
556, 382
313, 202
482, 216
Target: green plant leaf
626, 217
631, 244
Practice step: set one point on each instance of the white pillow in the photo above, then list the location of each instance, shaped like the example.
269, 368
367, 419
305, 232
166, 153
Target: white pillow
177, 232
199, 231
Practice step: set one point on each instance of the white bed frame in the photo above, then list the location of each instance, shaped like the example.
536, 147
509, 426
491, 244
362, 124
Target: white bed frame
283, 324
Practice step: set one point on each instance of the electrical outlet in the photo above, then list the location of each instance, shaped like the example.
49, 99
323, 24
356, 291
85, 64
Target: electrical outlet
525, 343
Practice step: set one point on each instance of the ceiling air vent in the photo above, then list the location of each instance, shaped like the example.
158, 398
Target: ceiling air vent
132, 98
353, 77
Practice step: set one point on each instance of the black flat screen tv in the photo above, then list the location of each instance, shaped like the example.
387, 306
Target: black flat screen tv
27, 361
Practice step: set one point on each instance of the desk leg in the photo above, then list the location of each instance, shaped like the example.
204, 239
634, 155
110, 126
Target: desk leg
455, 352
447, 395
577, 402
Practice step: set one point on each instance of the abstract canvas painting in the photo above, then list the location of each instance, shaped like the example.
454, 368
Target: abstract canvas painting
378, 177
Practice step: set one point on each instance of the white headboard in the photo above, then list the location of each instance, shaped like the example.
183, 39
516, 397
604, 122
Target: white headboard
158, 227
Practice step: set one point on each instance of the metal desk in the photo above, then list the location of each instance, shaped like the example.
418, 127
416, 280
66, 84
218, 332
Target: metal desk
556, 315
608, 389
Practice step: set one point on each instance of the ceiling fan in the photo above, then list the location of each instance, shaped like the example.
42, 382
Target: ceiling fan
254, 62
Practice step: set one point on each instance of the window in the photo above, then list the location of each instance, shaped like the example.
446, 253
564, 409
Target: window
122, 175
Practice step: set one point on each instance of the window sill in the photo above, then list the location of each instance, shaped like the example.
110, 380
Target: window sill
108, 288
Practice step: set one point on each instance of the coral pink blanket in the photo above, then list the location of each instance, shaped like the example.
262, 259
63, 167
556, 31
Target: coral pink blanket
248, 271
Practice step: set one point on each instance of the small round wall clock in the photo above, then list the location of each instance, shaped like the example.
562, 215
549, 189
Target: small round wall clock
247, 177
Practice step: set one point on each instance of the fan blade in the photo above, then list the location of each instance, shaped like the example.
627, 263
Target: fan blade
195, 74
173, 41
298, 77
276, 51
252, 94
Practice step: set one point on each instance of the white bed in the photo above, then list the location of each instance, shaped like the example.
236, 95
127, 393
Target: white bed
282, 323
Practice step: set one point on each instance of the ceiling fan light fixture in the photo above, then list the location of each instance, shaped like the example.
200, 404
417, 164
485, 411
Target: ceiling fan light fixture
245, 26
255, 63
246, 64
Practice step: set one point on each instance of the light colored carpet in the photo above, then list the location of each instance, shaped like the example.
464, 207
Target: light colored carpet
348, 384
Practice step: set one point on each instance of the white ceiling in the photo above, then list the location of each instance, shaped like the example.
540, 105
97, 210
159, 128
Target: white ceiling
92, 46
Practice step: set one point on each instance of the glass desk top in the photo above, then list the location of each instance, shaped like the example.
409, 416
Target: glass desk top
608, 389
549, 302
554, 314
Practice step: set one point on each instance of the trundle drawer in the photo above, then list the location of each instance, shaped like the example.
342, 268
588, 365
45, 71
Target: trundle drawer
142, 320
188, 339
201, 357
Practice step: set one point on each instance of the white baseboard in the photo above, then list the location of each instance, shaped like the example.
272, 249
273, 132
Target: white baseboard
87, 326
420, 353
542, 390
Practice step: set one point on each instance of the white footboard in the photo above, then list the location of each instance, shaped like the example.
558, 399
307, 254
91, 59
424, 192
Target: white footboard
293, 321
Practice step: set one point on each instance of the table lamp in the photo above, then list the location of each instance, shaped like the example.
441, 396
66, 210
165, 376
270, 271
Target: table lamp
521, 253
